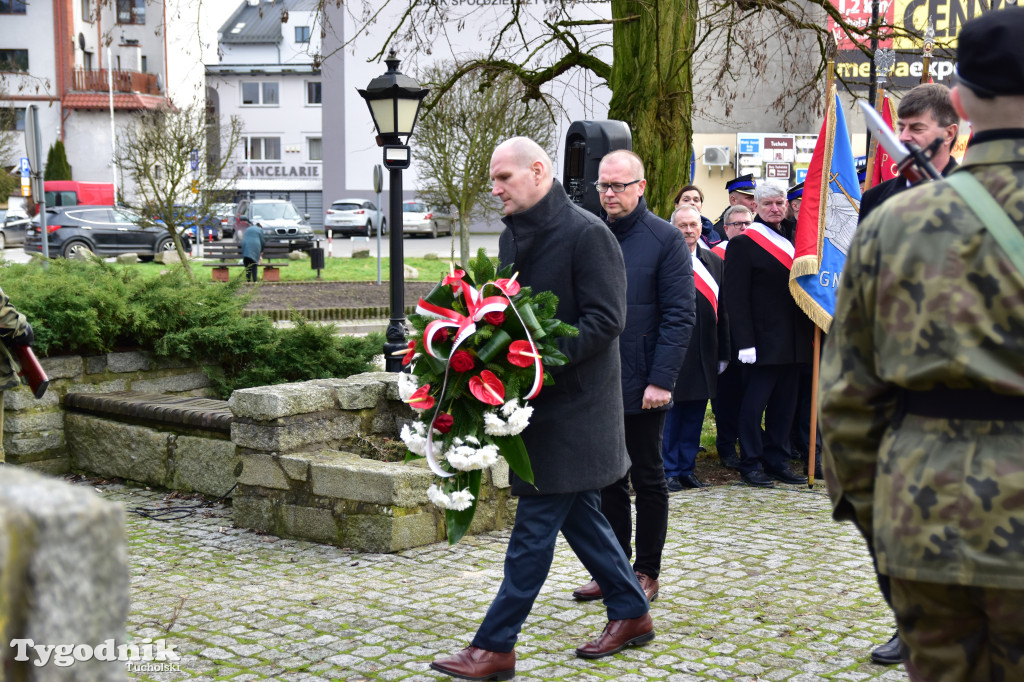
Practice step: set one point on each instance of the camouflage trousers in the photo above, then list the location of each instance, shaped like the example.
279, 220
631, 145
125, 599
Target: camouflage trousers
959, 632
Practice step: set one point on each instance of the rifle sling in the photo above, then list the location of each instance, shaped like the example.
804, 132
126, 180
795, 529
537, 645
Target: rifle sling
991, 215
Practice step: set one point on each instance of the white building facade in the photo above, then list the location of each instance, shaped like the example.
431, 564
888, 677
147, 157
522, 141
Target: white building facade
267, 76
64, 55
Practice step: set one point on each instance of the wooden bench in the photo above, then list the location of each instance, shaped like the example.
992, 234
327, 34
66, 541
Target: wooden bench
229, 255
176, 410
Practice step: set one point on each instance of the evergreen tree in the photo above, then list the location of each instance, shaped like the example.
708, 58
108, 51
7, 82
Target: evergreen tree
57, 167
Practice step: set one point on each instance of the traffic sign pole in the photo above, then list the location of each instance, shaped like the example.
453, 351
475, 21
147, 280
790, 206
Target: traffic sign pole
34, 151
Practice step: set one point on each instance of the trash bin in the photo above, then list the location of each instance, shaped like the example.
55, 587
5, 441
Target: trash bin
316, 258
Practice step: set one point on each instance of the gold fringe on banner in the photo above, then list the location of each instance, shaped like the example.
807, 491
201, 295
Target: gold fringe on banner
811, 265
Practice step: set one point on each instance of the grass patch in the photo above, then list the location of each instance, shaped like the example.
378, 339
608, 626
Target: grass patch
337, 270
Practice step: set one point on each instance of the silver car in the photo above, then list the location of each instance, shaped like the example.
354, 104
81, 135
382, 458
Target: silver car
355, 216
421, 218
13, 225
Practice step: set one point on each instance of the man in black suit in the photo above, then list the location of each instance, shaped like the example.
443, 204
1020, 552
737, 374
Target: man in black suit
659, 323
575, 439
926, 114
771, 335
706, 357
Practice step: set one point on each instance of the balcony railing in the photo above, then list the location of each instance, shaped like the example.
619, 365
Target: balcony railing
96, 80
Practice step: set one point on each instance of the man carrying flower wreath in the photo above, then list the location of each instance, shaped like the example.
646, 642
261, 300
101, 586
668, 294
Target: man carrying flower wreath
575, 438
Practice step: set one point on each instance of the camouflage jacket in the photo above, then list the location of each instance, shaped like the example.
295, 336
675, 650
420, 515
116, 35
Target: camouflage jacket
12, 323
929, 299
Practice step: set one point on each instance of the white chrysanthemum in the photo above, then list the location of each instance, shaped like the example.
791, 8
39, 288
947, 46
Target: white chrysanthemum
509, 407
493, 424
435, 495
467, 458
415, 438
407, 385
518, 418
460, 499
472, 440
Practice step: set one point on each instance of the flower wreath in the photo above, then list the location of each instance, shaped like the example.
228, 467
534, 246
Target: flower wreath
478, 355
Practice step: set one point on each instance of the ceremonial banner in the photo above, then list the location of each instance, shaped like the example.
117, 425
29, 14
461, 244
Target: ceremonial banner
828, 219
885, 167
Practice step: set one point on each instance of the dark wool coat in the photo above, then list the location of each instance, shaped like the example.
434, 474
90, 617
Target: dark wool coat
660, 304
874, 197
576, 439
698, 379
762, 312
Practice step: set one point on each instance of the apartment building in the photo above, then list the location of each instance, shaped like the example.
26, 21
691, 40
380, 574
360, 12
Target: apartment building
77, 60
267, 76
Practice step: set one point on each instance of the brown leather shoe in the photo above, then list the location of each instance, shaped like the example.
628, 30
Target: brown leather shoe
650, 585
474, 663
588, 592
617, 635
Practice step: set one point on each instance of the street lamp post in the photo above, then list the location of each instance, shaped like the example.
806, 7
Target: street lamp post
394, 101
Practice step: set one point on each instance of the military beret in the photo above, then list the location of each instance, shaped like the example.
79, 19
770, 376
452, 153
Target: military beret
795, 192
743, 184
990, 53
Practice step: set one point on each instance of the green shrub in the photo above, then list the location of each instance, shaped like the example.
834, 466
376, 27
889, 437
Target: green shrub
90, 308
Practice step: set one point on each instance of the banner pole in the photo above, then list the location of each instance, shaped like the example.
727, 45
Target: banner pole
884, 61
812, 441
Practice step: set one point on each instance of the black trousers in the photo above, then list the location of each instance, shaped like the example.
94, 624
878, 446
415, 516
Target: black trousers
726, 407
531, 549
769, 390
800, 435
647, 473
250, 269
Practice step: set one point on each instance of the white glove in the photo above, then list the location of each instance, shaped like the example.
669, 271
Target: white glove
722, 364
748, 356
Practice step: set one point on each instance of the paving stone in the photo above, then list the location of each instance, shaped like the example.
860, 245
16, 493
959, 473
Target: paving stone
755, 585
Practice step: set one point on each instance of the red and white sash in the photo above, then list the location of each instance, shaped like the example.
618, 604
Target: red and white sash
719, 249
705, 283
774, 243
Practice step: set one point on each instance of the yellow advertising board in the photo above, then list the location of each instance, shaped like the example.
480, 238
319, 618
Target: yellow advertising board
947, 18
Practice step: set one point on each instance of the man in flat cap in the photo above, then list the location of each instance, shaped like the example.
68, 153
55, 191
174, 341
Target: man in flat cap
922, 404
741, 193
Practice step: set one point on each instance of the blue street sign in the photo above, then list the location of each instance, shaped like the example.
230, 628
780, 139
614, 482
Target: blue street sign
194, 159
749, 145
801, 175
26, 170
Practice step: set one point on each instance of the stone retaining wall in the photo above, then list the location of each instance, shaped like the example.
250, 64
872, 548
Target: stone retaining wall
298, 479
34, 430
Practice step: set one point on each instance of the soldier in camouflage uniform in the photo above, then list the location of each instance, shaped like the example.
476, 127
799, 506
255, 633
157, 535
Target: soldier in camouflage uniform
14, 330
922, 402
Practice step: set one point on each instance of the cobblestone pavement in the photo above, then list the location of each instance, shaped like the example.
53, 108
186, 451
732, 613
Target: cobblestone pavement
756, 585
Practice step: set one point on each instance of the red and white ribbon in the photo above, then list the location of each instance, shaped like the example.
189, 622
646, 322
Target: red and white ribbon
705, 283
774, 243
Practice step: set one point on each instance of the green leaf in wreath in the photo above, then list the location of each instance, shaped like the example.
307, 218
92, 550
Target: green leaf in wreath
459, 521
513, 450
412, 456
554, 359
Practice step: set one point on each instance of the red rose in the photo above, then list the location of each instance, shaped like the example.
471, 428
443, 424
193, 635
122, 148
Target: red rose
440, 336
462, 361
444, 422
496, 318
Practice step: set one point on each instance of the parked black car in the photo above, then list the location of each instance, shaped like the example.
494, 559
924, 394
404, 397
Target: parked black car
13, 226
103, 230
280, 220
